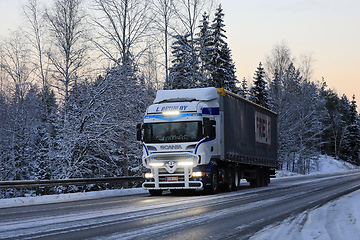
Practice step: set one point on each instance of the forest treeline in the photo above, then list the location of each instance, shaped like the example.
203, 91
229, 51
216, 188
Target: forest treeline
78, 75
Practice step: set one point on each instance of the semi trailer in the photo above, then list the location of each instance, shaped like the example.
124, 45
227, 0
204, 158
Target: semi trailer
206, 138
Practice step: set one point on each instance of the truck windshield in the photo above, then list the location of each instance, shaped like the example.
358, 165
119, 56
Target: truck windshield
172, 132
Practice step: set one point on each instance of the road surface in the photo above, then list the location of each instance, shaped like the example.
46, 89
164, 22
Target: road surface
232, 215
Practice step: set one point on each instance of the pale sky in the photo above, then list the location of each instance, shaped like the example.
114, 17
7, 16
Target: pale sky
329, 30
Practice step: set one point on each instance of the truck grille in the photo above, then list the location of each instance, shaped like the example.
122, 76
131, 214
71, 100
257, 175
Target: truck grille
178, 171
172, 157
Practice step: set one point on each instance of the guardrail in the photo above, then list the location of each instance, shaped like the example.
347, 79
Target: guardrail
66, 182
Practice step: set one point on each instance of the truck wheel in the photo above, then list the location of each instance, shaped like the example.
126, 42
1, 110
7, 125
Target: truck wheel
213, 188
237, 178
257, 182
155, 192
266, 176
229, 178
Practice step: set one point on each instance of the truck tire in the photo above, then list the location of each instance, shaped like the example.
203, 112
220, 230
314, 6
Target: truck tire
214, 186
237, 178
155, 192
257, 182
266, 177
229, 178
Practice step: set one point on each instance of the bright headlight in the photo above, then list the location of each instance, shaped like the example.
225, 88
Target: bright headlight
185, 163
171, 113
156, 164
198, 174
149, 175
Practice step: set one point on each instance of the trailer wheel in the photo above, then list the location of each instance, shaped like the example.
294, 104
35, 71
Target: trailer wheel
213, 188
257, 182
155, 192
237, 178
229, 178
266, 177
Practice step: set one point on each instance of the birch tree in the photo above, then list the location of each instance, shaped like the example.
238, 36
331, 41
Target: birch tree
122, 29
16, 64
68, 58
68, 55
35, 32
163, 10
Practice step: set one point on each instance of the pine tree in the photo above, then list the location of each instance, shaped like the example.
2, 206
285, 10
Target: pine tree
204, 44
228, 68
258, 93
48, 130
244, 90
275, 92
352, 135
221, 66
332, 135
182, 74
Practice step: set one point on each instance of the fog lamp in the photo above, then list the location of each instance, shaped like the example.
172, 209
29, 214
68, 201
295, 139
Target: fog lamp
148, 175
198, 174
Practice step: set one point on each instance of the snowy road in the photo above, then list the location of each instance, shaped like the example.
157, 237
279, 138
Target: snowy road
234, 215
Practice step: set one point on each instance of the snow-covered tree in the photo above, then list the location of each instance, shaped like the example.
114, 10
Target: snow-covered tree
275, 92
187, 13
221, 66
204, 46
351, 142
181, 73
300, 105
164, 12
69, 55
16, 65
279, 62
259, 92
36, 34
244, 90
122, 106
122, 27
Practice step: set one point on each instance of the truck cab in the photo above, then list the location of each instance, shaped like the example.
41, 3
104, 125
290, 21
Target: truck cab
179, 139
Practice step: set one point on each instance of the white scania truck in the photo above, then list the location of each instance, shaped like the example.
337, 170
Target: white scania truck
206, 138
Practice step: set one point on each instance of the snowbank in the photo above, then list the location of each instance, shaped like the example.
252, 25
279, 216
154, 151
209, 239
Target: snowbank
338, 219
26, 201
325, 164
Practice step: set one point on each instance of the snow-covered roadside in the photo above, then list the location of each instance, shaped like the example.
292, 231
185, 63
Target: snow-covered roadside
339, 219
325, 164
26, 201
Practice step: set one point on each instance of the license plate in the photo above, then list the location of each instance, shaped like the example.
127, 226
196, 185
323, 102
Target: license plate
171, 179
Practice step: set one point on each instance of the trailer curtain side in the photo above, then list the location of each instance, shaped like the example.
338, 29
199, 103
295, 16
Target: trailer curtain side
250, 131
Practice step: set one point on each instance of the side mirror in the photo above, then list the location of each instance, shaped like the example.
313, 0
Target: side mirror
138, 132
209, 128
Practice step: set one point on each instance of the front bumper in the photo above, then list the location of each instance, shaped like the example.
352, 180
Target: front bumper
172, 167
172, 185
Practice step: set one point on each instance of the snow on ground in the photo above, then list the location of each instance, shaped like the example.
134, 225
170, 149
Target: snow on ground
325, 164
26, 201
339, 219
